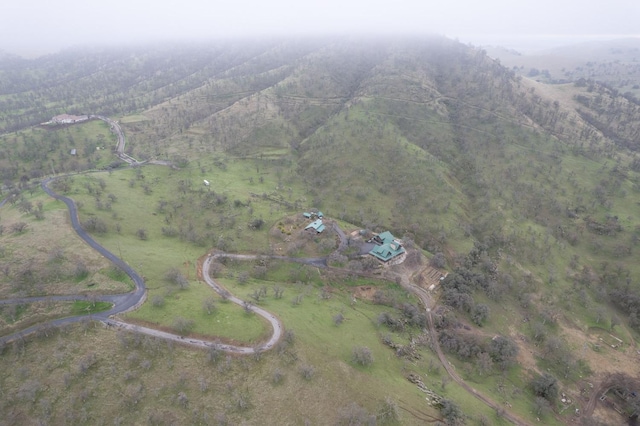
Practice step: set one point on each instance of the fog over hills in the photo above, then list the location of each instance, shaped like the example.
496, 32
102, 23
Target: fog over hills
33, 28
512, 182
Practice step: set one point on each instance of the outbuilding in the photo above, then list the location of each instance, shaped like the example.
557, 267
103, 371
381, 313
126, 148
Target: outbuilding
316, 225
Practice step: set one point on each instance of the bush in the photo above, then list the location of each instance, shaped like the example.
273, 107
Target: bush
362, 356
157, 301
545, 386
438, 261
183, 325
452, 414
307, 372
95, 224
174, 276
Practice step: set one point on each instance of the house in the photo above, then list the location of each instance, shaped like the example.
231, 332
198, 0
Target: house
384, 238
317, 225
73, 151
387, 247
69, 119
313, 215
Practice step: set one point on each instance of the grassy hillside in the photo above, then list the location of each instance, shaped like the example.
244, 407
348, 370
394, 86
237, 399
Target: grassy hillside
525, 193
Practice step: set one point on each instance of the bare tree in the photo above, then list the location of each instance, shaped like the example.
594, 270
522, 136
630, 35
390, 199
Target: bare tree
243, 277
174, 276
278, 292
388, 411
484, 363
19, 227
307, 371
209, 305
213, 354
278, 376
362, 355
183, 400
183, 325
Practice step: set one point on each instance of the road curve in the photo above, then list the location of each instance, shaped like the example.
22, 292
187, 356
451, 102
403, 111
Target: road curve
273, 320
128, 301
115, 127
132, 299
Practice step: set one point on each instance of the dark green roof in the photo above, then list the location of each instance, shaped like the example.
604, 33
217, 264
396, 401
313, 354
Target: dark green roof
387, 251
317, 225
386, 237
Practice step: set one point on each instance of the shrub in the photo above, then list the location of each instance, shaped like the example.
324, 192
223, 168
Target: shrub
362, 355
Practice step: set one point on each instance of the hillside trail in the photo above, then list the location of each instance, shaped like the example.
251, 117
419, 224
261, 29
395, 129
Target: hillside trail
429, 305
133, 300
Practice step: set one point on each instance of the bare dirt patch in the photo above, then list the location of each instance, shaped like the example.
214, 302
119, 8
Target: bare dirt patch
365, 292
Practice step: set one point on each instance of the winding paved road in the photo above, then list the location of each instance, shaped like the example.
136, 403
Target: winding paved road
128, 301
115, 127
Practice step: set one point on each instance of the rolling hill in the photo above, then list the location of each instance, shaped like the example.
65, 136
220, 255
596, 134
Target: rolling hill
527, 192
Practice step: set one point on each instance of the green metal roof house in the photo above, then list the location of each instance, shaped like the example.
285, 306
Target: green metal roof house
384, 238
388, 247
318, 226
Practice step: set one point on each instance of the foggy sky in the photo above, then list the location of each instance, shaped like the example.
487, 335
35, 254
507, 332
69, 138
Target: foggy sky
40, 26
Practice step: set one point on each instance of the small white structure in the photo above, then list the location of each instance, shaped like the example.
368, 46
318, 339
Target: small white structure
206, 182
69, 119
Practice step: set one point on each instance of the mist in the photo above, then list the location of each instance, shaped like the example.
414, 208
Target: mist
35, 27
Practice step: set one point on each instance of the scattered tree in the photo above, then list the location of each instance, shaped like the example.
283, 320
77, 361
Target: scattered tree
388, 411
183, 325
209, 305
545, 386
479, 314
438, 260
362, 355
307, 371
503, 351
175, 276
183, 400
451, 413
157, 301
19, 227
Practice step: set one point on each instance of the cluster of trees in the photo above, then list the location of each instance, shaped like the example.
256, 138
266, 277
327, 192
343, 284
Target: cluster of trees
478, 273
500, 351
410, 316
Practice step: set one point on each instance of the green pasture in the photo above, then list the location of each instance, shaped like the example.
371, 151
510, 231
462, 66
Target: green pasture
81, 307
227, 321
